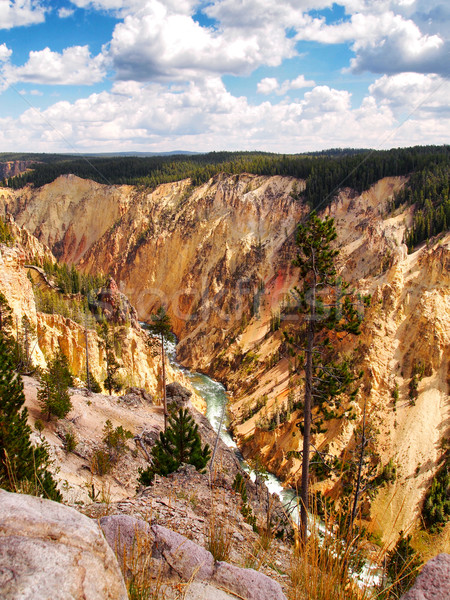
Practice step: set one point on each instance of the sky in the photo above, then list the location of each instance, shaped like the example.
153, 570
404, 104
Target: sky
201, 75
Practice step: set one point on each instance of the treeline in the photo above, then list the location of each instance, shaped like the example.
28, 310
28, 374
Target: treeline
325, 172
428, 190
37, 156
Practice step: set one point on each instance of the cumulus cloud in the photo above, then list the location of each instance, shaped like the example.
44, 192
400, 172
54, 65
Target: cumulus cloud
160, 42
400, 47
421, 95
74, 66
384, 42
121, 8
205, 116
5, 52
270, 85
16, 13
63, 13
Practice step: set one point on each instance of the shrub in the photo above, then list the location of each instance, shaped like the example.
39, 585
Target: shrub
70, 441
100, 462
53, 393
22, 466
179, 444
436, 506
402, 565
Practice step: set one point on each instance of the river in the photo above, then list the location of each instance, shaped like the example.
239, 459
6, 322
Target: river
215, 396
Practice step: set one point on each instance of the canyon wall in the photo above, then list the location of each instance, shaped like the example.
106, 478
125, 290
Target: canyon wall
220, 257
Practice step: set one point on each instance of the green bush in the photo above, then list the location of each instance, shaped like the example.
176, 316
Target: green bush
6, 237
180, 444
402, 567
22, 466
53, 392
436, 506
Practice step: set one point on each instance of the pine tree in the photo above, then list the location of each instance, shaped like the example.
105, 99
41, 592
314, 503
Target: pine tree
402, 566
6, 321
22, 467
326, 306
111, 381
179, 444
6, 324
53, 393
162, 326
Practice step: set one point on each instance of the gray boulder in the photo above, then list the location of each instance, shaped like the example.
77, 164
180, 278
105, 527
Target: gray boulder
433, 583
184, 557
247, 583
48, 550
131, 539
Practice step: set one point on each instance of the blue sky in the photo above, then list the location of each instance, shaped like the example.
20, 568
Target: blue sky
201, 75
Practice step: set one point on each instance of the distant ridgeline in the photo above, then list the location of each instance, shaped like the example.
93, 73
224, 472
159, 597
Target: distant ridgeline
325, 174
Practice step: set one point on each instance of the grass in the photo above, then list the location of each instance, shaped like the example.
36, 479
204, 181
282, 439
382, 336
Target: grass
218, 537
326, 567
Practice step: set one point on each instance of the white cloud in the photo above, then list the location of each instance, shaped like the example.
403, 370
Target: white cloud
73, 67
421, 95
270, 85
16, 13
63, 13
205, 116
121, 8
382, 41
159, 42
5, 53
399, 46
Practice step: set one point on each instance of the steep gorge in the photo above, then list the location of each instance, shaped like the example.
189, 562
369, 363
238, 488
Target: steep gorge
219, 256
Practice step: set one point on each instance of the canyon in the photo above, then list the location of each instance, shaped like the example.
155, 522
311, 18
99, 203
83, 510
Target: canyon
219, 257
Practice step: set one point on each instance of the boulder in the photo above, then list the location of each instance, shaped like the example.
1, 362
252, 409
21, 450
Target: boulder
247, 583
48, 550
199, 590
184, 557
140, 395
130, 538
433, 583
177, 396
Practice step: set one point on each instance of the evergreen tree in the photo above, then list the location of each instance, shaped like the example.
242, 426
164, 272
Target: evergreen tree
94, 385
112, 366
402, 567
22, 467
6, 324
326, 306
6, 236
111, 381
53, 393
179, 444
162, 327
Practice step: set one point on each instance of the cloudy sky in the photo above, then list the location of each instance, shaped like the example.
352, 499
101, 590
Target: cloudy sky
200, 75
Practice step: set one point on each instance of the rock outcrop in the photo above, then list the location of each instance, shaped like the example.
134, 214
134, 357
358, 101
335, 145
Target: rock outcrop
48, 550
187, 560
433, 583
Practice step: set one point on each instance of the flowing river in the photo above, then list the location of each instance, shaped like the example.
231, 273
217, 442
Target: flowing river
216, 400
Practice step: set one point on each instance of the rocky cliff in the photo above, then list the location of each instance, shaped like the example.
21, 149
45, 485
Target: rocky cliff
203, 252
50, 332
